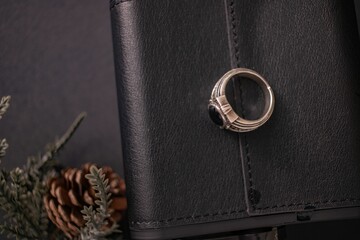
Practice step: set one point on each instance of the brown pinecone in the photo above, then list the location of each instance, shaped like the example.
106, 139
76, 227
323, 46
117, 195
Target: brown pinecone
71, 191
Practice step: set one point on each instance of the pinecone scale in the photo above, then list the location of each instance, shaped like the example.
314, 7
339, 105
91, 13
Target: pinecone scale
71, 191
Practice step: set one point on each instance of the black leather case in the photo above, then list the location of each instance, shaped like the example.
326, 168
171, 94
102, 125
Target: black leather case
185, 176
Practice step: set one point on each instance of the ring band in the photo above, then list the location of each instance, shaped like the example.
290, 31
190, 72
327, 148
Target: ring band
221, 112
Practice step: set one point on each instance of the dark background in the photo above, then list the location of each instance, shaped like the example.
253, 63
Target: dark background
56, 60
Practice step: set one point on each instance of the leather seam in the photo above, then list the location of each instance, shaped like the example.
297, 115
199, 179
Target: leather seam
235, 36
242, 211
113, 3
311, 203
237, 57
191, 217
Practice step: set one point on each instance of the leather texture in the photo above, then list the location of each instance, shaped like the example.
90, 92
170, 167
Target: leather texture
357, 8
307, 155
180, 168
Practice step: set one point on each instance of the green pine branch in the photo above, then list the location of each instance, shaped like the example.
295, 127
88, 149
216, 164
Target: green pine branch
96, 220
22, 189
3, 146
4, 105
61, 142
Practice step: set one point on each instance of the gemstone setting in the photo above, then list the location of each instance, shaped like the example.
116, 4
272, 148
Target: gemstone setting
215, 115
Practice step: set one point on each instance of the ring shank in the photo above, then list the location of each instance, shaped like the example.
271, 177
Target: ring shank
241, 124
